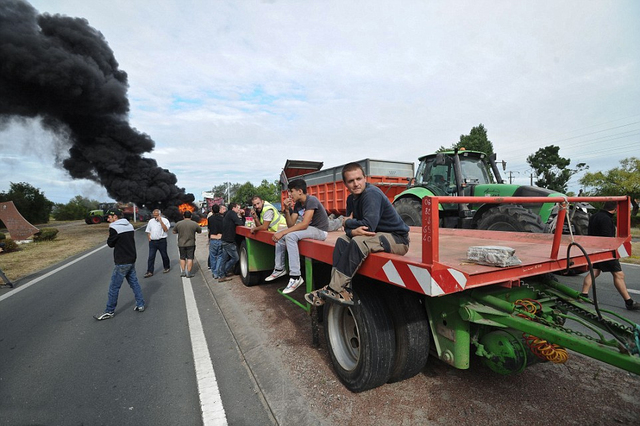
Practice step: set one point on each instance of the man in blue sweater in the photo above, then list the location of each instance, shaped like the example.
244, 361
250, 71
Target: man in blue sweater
121, 239
371, 225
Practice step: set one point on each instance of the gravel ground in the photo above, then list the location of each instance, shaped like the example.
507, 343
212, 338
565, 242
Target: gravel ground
300, 386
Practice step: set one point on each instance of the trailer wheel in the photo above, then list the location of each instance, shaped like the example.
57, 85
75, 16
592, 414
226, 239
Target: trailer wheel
510, 217
410, 210
96, 219
248, 278
412, 334
361, 340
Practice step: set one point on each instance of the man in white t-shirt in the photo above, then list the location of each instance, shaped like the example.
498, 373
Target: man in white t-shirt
157, 233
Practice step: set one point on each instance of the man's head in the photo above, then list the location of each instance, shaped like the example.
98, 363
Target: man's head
354, 178
113, 215
257, 203
610, 206
235, 207
156, 213
223, 209
215, 209
297, 189
187, 214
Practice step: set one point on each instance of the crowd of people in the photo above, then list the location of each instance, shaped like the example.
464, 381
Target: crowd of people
371, 224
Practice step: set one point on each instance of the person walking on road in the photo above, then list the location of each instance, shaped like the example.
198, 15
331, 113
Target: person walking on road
601, 225
186, 230
121, 239
372, 225
229, 251
156, 230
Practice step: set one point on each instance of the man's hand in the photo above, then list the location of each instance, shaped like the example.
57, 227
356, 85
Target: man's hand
362, 231
277, 236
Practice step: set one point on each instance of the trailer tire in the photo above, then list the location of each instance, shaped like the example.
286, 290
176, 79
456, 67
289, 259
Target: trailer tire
410, 210
412, 334
510, 217
248, 278
360, 340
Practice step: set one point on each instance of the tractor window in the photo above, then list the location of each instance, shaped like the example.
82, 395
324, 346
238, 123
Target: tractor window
474, 171
438, 175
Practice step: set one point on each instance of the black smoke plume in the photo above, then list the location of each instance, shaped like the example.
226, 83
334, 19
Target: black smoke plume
62, 70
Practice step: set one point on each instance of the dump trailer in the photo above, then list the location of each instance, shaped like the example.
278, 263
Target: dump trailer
440, 299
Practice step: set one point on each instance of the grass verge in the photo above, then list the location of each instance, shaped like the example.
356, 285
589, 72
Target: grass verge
73, 237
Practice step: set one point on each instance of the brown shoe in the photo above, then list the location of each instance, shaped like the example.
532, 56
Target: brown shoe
223, 279
148, 274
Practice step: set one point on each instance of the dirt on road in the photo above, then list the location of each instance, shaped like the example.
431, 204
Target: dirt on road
297, 379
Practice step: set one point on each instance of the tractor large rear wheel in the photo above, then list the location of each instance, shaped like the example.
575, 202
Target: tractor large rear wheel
510, 217
96, 219
580, 222
410, 210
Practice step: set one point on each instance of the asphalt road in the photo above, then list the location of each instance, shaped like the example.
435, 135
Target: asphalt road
59, 366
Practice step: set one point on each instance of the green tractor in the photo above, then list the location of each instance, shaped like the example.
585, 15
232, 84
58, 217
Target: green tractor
473, 173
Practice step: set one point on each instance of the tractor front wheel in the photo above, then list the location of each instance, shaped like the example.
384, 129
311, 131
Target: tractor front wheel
510, 217
410, 210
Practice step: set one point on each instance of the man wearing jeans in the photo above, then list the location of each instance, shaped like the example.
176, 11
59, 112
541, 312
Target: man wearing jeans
229, 251
157, 232
121, 239
314, 225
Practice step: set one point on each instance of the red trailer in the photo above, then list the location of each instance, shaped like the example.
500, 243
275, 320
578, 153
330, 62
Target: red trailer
435, 300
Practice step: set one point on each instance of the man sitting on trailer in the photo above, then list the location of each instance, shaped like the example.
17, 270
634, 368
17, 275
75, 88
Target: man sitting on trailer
265, 216
314, 225
371, 225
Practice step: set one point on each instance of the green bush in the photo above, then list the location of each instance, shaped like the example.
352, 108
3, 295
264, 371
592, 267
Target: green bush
2, 236
10, 245
46, 234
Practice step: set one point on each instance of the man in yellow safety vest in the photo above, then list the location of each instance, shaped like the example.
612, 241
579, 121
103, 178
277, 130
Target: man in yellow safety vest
265, 216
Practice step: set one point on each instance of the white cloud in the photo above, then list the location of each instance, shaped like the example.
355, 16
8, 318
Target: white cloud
229, 90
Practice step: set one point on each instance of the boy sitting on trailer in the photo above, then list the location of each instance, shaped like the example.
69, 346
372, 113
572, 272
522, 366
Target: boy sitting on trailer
314, 225
371, 225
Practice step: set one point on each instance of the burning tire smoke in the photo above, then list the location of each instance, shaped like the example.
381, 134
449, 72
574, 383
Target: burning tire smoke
62, 70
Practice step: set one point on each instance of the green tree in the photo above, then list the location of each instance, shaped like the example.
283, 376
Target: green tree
226, 190
623, 180
76, 208
244, 193
30, 202
551, 170
476, 140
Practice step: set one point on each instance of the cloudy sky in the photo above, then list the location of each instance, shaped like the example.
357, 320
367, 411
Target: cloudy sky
229, 90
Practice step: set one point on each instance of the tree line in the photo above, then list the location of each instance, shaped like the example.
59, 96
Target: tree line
550, 169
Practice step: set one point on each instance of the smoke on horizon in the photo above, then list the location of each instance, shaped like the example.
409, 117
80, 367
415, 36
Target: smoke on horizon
62, 70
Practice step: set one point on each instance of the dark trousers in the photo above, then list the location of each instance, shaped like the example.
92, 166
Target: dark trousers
154, 246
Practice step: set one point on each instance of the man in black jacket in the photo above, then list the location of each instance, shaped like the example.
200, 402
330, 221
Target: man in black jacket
372, 225
121, 239
229, 250
601, 225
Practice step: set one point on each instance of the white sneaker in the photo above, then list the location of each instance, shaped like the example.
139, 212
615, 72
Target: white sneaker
293, 284
275, 275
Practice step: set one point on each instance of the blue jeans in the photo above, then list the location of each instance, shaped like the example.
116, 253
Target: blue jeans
154, 246
229, 258
289, 245
215, 258
120, 272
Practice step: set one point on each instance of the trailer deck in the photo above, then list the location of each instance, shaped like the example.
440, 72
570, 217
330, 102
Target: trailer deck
437, 264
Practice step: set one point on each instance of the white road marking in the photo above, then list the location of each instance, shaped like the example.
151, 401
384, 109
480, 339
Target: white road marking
210, 401
633, 291
47, 275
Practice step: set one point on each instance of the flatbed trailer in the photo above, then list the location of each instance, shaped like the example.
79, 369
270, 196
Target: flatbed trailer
434, 299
